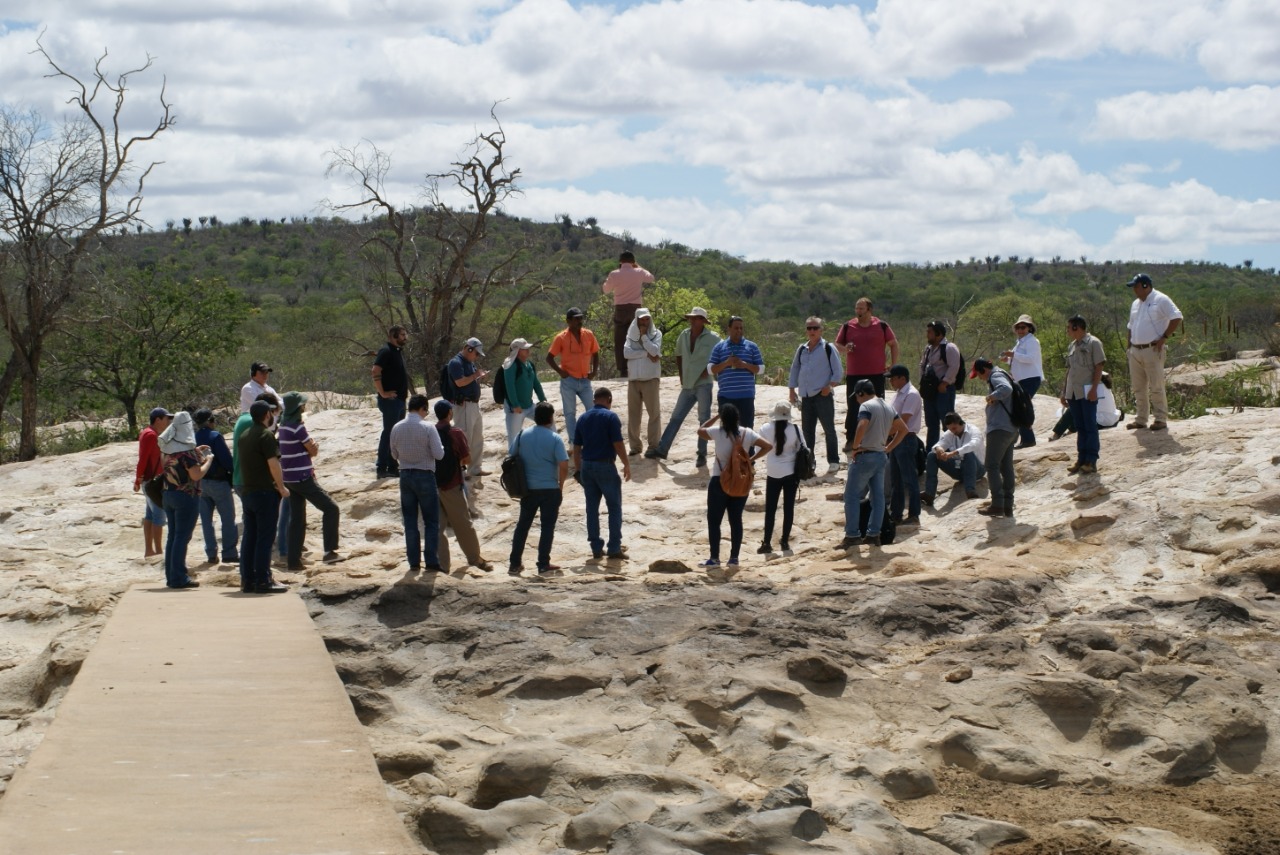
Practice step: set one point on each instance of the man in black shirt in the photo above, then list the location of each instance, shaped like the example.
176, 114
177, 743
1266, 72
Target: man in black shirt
391, 382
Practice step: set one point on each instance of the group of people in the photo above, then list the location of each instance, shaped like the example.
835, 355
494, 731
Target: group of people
190, 472
439, 465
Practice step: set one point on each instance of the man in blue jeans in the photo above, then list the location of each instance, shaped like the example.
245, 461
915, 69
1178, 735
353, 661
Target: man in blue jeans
579, 354
879, 432
597, 442
693, 353
416, 446
959, 453
391, 382
215, 492
262, 488
939, 370
735, 362
546, 465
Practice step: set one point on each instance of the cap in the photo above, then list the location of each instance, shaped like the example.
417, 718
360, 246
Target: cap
443, 408
160, 413
520, 344
980, 364
643, 313
259, 409
1140, 279
781, 412
260, 366
575, 312
204, 416
698, 312
476, 345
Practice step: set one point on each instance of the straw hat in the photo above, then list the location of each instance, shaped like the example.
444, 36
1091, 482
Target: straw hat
781, 412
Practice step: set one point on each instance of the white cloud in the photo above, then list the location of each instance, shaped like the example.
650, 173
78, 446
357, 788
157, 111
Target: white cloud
1232, 119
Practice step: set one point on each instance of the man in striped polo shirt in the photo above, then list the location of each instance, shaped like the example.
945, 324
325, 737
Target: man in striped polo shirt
297, 448
735, 362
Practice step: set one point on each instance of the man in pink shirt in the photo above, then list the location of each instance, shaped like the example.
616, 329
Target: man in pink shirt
866, 340
626, 284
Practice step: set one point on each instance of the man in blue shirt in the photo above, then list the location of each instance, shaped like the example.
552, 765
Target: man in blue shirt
546, 465
597, 442
215, 492
815, 372
734, 363
465, 377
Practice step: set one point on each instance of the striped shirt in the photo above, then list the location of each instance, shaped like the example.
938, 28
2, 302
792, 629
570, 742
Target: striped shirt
294, 460
415, 444
736, 382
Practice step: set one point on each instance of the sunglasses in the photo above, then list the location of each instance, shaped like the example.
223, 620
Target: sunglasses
813, 328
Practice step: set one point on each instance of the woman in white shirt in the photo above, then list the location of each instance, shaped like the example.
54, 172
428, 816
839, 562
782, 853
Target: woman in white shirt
725, 437
1026, 368
781, 480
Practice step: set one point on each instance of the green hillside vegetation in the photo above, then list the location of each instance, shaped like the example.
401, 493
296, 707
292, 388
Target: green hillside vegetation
303, 294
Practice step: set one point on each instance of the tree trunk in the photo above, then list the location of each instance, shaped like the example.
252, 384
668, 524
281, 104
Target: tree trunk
7, 380
27, 434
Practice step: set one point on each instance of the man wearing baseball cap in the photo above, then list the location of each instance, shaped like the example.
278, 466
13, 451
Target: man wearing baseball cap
259, 373
693, 353
464, 394
1153, 317
579, 354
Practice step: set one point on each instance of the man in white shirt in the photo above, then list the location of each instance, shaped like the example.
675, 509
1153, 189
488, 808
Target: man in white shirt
905, 477
1152, 319
259, 373
959, 452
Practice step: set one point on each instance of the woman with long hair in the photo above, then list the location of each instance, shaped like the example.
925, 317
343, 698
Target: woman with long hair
780, 470
521, 382
185, 464
725, 436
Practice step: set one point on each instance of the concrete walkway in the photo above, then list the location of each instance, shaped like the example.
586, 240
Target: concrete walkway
203, 721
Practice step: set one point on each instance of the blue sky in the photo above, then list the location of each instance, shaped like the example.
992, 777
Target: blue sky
899, 130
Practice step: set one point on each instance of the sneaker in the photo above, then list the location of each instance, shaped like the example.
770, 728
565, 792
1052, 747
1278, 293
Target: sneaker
870, 539
636, 452
786, 547
484, 566
733, 562
850, 542
620, 555
515, 569
655, 454
990, 511
331, 557
1074, 467
1054, 437
1159, 426
702, 462
1024, 445
710, 562
433, 568
968, 494
911, 521
1135, 426
548, 569
833, 468
1088, 468
927, 498
597, 556
765, 549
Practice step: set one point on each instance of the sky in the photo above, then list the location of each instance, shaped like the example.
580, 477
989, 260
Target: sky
891, 131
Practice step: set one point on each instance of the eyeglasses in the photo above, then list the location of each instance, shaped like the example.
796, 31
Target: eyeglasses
813, 328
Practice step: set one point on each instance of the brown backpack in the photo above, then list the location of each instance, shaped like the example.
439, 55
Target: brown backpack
737, 474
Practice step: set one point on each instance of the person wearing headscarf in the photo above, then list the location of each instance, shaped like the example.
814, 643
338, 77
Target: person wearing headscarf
521, 381
215, 492
297, 449
780, 471
185, 464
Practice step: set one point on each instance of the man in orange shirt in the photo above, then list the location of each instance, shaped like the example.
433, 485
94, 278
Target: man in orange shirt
626, 284
579, 354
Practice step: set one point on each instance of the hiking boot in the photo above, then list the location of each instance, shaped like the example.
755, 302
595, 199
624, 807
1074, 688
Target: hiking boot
765, 549
1159, 426
1135, 426
969, 494
911, 521
515, 569
927, 498
991, 511
702, 462
1074, 467
1088, 468
655, 454
850, 542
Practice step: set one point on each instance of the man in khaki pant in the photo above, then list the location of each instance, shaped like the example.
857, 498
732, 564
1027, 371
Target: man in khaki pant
1152, 319
453, 501
643, 352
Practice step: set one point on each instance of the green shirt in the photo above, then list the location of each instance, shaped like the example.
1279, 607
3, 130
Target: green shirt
254, 448
694, 359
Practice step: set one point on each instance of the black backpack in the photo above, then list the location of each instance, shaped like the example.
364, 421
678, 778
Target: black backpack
448, 390
888, 528
1021, 409
962, 374
447, 466
500, 386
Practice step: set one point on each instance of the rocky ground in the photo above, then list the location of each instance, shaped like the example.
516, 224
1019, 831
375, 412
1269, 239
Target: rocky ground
1097, 676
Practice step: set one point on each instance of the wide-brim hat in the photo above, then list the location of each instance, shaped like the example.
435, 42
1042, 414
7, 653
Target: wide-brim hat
1025, 319
781, 412
293, 402
698, 312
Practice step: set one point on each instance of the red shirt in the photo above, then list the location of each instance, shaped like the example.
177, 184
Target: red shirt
148, 456
458, 442
868, 356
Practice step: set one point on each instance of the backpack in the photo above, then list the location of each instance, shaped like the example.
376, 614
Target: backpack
1023, 411
888, 528
806, 461
448, 390
512, 478
500, 386
737, 474
962, 373
447, 466
802, 348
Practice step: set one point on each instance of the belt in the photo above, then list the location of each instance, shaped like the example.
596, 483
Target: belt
1143, 346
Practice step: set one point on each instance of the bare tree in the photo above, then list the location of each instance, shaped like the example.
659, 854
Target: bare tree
423, 263
61, 188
